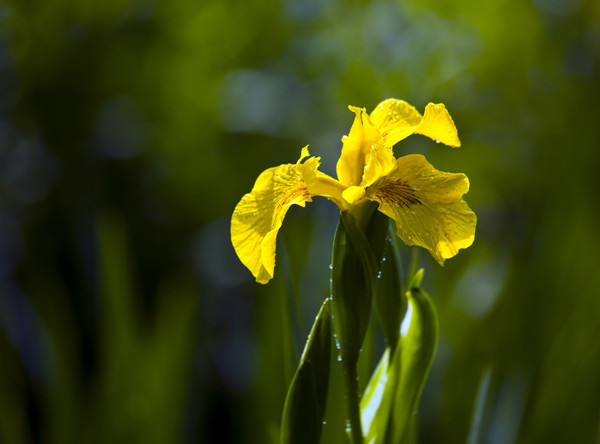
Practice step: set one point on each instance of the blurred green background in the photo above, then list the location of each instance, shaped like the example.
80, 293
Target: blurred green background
129, 129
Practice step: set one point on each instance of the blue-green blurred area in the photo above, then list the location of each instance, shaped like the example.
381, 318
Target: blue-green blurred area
130, 129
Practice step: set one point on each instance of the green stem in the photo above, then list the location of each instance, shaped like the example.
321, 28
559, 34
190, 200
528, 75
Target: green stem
289, 354
353, 425
414, 262
358, 245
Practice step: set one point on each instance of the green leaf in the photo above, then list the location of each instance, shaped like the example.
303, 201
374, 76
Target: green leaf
412, 361
351, 299
390, 303
305, 403
357, 247
480, 406
414, 280
389, 404
376, 402
389, 300
351, 288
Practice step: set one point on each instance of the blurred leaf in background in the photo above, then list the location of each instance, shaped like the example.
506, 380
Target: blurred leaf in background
130, 128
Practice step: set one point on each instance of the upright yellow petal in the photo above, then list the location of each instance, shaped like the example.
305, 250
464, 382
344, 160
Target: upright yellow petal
381, 162
395, 119
427, 206
258, 216
356, 148
438, 125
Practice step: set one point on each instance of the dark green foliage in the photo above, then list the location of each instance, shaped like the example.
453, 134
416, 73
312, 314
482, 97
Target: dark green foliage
130, 129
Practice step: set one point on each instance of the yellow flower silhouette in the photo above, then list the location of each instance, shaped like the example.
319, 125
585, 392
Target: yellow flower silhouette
425, 203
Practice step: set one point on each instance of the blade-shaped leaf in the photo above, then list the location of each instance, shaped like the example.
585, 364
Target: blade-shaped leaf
304, 408
389, 300
376, 402
413, 359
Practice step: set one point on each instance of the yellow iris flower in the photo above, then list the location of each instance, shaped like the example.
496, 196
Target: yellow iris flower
426, 204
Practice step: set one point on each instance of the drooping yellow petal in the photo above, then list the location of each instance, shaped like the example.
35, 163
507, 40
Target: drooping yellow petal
258, 216
396, 120
438, 125
427, 206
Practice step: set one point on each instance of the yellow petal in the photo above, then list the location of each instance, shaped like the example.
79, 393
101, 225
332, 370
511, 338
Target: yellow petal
438, 125
326, 186
427, 206
356, 148
318, 183
353, 194
395, 119
381, 162
258, 216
